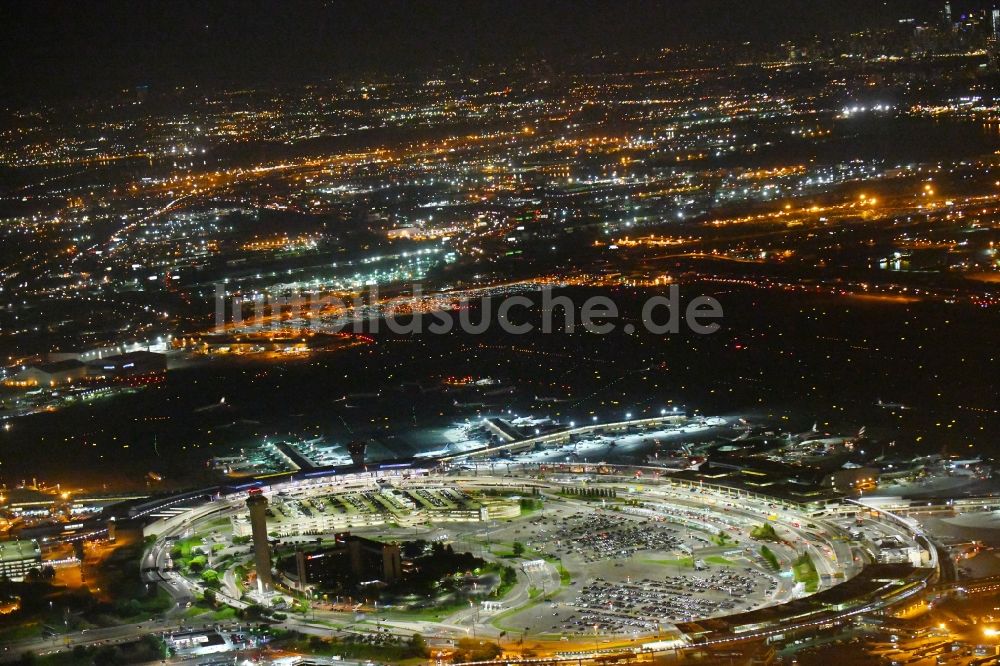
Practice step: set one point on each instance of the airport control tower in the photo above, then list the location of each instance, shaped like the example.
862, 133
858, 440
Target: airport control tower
357, 450
257, 504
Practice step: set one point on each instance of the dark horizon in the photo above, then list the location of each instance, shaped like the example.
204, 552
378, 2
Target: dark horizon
60, 49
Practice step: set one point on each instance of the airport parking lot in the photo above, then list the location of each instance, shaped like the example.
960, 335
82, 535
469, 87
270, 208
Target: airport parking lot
630, 574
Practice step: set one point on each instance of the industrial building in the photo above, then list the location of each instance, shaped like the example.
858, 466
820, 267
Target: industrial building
48, 374
124, 365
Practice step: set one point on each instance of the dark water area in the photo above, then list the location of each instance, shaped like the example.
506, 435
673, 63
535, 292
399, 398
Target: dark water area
788, 359
895, 140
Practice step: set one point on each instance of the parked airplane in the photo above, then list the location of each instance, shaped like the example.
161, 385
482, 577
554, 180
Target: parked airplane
548, 400
891, 405
471, 404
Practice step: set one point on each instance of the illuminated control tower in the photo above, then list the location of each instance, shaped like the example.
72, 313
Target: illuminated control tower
257, 504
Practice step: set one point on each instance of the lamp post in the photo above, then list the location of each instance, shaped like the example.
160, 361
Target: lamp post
472, 618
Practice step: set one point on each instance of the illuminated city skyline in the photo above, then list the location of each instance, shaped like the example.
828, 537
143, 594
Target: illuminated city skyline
500, 333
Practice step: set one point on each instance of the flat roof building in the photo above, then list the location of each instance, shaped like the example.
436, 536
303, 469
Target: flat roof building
49, 374
18, 558
132, 363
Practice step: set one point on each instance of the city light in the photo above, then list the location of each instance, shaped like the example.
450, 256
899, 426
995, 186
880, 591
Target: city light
398, 335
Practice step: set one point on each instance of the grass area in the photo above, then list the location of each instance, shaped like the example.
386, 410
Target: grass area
508, 579
530, 505
764, 532
722, 539
224, 614
804, 570
238, 574
186, 546
718, 559
20, 632
203, 608
770, 558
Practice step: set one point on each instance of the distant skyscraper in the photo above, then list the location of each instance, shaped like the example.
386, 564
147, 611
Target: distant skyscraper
947, 13
996, 23
257, 504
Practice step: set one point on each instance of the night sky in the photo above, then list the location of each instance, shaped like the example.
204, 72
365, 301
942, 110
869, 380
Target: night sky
77, 47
